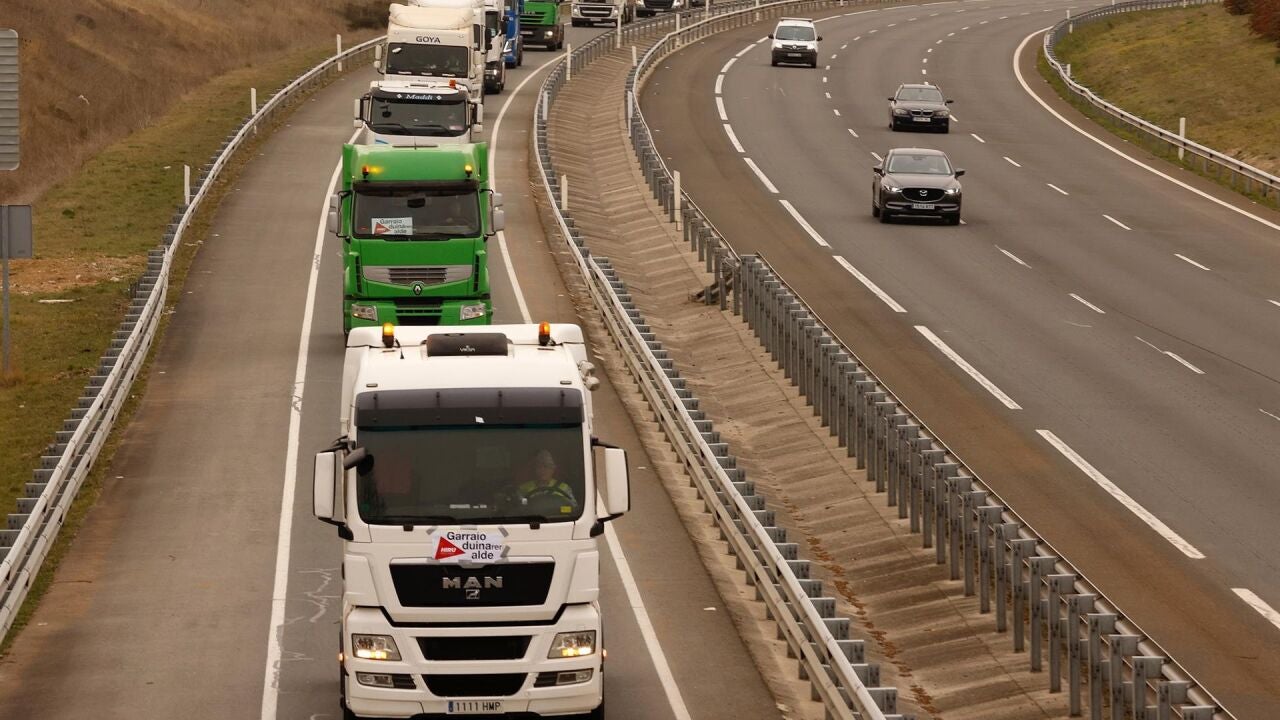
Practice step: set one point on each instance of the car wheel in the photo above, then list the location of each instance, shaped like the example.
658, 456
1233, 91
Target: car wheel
875, 209
893, 125
884, 215
953, 219
773, 63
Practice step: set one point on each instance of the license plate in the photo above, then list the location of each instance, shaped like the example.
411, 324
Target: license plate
793, 54
919, 119
474, 707
921, 206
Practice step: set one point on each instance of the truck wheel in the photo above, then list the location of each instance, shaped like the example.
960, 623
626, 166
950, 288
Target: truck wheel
520, 53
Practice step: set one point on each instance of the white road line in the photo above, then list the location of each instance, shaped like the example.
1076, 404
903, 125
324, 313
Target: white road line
828, 95
719, 84
724, 117
1087, 304
1170, 354
875, 289
966, 27
1011, 161
728, 65
975, 137
893, 24
969, 369
1151, 520
804, 224
984, 22
923, 71
954, 119
962, 222
745, 50
934, 14
1004, 17
876, 155
733, 138
929, 50
857, 38
1027, 88
937, 42
851, 132
873, 32
1180, 256
912, 19
284, 537
924, 60
1273, 302
760, 174
826, 67
1258, 604
1269, 414
1012, 257
1055, 187
844, 46
1117, 222
833, 57
836, 111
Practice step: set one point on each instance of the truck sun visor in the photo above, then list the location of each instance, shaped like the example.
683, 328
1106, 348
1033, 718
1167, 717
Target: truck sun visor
466, 344
469, 406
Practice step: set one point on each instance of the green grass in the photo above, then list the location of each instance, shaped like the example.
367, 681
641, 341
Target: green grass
98, 226
1198, 63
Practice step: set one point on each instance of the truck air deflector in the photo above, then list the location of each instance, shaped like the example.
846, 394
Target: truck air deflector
469, 406
460, 187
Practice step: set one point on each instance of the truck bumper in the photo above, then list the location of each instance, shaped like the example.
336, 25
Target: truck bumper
366, 312
522, 685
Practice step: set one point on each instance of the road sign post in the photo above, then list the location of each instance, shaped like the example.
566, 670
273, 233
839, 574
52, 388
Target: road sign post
15, 242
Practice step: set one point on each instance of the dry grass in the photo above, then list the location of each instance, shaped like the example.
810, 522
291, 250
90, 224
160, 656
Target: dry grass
94, 71
1198, 63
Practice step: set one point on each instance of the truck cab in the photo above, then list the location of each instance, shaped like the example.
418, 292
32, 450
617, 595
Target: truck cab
541, 23
436, 43
469, 492
414, 222
405, 113
489, 15
590, 12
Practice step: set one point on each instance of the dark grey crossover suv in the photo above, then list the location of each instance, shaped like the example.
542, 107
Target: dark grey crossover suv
915, 181
919, 106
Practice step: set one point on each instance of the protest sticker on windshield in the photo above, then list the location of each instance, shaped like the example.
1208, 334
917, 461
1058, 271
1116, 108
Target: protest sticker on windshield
467, 546
393, 226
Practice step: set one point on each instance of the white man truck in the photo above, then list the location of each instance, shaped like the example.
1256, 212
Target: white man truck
489, 14
469, 491
436, 43
410, 113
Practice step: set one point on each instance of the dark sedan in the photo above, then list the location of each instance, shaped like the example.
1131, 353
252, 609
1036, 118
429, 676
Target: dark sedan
916, 182
919, 106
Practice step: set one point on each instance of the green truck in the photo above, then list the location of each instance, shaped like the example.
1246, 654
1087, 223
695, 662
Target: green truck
541, 23
413, 222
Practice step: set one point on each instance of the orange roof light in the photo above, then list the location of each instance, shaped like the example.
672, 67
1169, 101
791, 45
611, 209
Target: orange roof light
388, 335
544, 334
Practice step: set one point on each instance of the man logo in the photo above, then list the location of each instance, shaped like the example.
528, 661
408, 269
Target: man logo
473, 585
417, 288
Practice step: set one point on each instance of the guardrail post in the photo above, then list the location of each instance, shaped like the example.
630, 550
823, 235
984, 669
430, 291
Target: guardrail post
1040, 567
1021, 550
1182, 135
1144, 667
1168, 694
909, 434
1077, 607
1100, 624
339, 52
568, 62
942, 473
957, 486
634, 60
678, 199
988, 517
564, 193
1059, 587
1006, 533
186, 184
617, 33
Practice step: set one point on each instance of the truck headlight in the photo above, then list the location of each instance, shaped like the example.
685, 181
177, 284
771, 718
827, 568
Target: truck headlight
509, 46
573, 644
365, 312
548, 33
374, 647
471, 312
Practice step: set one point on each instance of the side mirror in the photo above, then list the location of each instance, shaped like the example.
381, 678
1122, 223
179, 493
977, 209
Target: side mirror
335, 205
948, 101
959, 172
819, 38
326, 486
499, 220
377, 58
495, 199
770, 36
891, 99
615, 484
878, 170
358, 120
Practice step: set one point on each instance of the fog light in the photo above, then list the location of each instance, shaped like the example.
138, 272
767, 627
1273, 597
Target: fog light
573, 677
381, 680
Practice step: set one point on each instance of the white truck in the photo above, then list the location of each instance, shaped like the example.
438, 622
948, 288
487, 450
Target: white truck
590, 12
436, 43
410, 113
490, 16
469, 491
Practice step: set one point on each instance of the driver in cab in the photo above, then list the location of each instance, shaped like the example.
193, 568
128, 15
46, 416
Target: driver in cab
544, 489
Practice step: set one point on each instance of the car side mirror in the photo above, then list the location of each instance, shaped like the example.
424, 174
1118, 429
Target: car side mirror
770, 36
949, 101
878, 170
891, 99
819, 38
959, 173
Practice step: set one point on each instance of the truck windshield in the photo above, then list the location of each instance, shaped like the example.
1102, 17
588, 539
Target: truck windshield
432, 60
419, 113
473, 475
416, 213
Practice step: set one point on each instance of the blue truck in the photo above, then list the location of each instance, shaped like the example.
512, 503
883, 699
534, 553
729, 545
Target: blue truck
513, 47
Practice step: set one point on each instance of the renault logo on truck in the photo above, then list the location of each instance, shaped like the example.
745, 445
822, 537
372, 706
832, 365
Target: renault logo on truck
473, 585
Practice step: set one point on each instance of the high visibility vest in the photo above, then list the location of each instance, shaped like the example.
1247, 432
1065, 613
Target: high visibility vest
529, 489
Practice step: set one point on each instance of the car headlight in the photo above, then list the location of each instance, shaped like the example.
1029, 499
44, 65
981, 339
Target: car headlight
374, 647
365, 312
900, 111
573, 644
471, 312
889, 187
953, 191
942, 113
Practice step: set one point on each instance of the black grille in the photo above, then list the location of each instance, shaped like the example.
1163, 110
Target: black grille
922, 113
490, 586
475, 647
923, 194
496, 685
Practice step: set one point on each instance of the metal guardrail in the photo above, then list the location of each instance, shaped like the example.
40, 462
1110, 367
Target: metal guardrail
834, 664
31, 531
1239, 175
986, 544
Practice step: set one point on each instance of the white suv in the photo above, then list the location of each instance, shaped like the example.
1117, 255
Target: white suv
795, 41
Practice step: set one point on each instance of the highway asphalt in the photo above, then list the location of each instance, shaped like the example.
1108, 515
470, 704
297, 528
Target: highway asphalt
1119, 331
170, 602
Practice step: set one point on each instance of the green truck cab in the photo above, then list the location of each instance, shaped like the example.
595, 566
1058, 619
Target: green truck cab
542, 23
413, 222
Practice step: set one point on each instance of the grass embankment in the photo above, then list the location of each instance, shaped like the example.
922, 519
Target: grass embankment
1198, 63
93, 234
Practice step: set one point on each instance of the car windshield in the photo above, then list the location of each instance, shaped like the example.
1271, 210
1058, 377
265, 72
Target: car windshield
426, 213
794, 32
907, 163
418, 113
432, 60
485, 474
920, 95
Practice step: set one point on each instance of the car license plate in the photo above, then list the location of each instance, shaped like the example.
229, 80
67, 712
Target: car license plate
919, 119
474, 707
921, 206
793, 54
